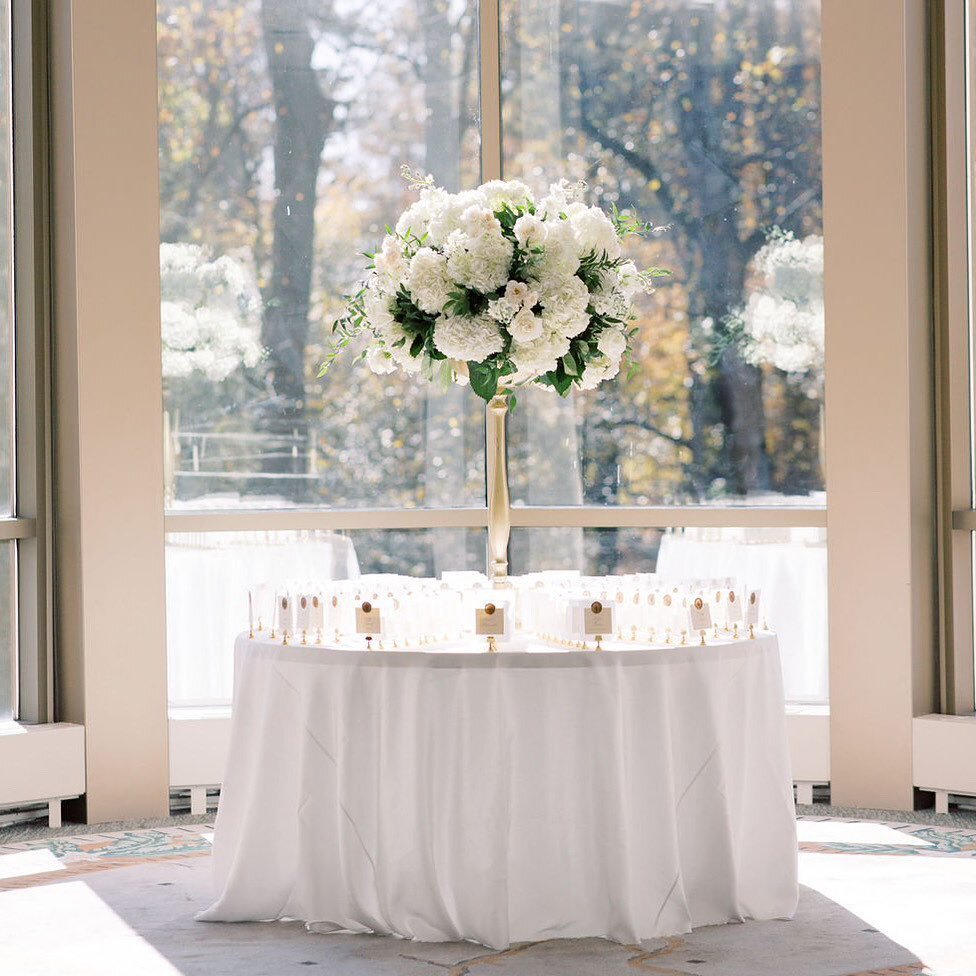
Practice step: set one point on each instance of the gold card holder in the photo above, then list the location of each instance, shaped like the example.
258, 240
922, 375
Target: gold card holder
598, 622
489, 621
701, 617
369, 622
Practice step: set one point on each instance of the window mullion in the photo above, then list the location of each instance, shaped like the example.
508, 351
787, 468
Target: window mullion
491, 90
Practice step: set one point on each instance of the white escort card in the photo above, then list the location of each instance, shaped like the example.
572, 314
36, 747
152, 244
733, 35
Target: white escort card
286, 616
598, 621
701, 616
369, 622
752, 611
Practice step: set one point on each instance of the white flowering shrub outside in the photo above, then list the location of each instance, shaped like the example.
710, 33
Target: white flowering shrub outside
489, 287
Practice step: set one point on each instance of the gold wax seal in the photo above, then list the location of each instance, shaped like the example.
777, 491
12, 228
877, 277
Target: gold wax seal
489, 608
367, 606
304, 603
315, 602
667, 599
284, 603
335, 601
596, 606
752, 597
620, 596
731, 596
718, 595
698, 603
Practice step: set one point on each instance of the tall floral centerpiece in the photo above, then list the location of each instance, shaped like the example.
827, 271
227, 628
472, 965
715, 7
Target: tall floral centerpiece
492, 288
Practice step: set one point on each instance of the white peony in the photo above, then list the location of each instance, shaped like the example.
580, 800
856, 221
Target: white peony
530, 231
428, 280
478, 220
471, 339
481, 263
526, 326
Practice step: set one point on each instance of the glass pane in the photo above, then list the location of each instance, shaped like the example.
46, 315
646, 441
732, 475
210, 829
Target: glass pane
789, 566
208, 576
283, 127
704, 118
6, 268
8, 630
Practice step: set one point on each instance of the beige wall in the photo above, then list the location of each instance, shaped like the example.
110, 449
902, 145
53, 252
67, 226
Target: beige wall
108, 491
879, 401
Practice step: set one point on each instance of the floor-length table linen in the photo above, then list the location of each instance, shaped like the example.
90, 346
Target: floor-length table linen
507, 797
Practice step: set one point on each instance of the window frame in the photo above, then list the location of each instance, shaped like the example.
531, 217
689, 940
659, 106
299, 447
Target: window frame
28, 526
583, 516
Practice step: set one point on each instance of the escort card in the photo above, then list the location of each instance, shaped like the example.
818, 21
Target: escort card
368, 619
286, 615
701, 615
489, 621
733, 608
318, 613
302, 614
598, 620
752, 608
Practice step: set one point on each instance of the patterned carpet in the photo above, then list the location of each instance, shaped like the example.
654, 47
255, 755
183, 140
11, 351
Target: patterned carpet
856, 907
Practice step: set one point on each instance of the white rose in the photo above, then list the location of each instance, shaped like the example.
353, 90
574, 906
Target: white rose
380, 361
526, 327
516, 292
530, 231
598, 371
390, 261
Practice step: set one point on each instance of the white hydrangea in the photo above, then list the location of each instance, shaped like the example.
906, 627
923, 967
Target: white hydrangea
612, 343
378, 307
428, 280
561, 195
564, 307
597, 372
447, 217
472, 339
532, 359
560, 254
416, 218
526, 326
211, 313
595, 233
500, 192
481, 263
784, 317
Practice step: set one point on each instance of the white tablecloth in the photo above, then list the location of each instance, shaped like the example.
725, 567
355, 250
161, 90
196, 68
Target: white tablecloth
793, 578
508, 797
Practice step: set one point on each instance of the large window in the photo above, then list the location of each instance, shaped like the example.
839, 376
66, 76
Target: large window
283, 127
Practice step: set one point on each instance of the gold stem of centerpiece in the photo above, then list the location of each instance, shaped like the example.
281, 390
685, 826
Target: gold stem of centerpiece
499, 516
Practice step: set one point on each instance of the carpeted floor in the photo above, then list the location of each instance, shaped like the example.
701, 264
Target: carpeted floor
879, 898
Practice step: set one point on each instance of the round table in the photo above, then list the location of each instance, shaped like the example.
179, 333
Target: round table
444, 795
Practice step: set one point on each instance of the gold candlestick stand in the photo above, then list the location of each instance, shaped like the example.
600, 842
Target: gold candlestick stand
499, 514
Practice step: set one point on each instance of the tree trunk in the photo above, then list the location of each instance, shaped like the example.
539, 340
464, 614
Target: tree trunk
303, 116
